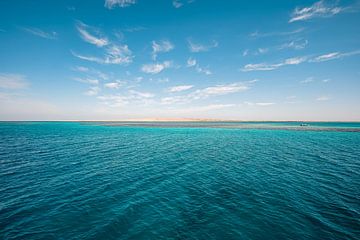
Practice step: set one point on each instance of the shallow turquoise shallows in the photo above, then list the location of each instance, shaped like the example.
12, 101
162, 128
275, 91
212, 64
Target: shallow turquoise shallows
90, 181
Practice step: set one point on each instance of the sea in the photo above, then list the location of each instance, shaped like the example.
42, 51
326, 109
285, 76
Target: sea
179, 180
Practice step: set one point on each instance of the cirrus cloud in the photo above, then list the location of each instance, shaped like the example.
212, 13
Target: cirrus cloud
155, 68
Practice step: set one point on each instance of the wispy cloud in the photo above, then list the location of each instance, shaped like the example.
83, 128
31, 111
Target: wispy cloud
132, 96
13, 81
258, 34
197, 47
180, 88
87, 80
93, 91
95, 37
40, 33
318, 9
270, 66
334, 55
161, 46
191, 62
81, 69
114, 85
261, 104
307, 80
114, 54
110, 4
207, 92
180, 3
154, 68
297, 60
91, 71
205, 71
295, 44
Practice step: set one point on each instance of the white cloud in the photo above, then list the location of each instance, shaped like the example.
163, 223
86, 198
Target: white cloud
245, 52
40, 33
323, 98
110, 4
180, 3
87, 80
114, 85
261, 104
118, 54
318, 9
334, 55
296, 61
93, 38
81, 69
93, 91
219, 90
131, 96
206, 71
163, 80
268, 67
307, 80
262, 50
258, 34
196, 47
114, 54
162, 46
207, 92
156, 67
295, 44
140, 95
180, 88
91, 71
177, 3
13, 81
113, 100
191, 62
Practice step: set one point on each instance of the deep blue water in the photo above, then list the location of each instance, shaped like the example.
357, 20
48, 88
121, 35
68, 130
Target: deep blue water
88, 181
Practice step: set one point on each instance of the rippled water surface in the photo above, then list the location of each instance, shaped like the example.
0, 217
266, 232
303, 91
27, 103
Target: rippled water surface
90, 181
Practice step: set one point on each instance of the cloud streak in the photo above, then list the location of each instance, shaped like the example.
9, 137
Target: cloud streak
297, 61
268, 66
204, 93
40, 33
197, 47
94, 38
191, 62
155, 68
110, 4
334, 55
13, 81
180, 88
319, 9
161, 46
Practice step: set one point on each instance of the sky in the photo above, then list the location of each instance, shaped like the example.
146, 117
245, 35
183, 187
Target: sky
205, 59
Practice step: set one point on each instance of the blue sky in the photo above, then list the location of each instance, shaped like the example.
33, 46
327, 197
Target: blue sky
135, 59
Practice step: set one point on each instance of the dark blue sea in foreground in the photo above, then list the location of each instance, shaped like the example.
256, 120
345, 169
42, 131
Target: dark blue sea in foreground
63, 180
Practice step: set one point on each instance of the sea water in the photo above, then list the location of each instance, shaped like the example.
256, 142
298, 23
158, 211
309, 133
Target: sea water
71, 180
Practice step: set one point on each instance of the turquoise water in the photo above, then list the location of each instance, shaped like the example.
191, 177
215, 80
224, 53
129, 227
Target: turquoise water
90, 181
